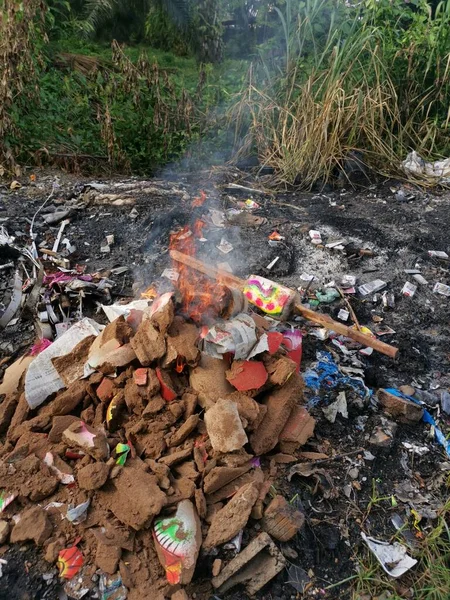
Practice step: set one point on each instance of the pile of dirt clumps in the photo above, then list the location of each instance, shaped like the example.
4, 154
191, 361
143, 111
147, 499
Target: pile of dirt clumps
153, 459
163, 436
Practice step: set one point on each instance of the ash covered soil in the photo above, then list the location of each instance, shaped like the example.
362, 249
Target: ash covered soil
397, 230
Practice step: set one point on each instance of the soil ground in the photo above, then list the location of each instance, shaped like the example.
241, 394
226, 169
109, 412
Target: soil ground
399, 234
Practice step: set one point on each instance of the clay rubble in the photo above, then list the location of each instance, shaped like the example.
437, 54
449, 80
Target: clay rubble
145, 459
164, 465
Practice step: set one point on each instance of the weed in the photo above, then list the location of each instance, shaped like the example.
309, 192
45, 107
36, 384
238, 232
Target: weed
340, 91
429, 579
21, 38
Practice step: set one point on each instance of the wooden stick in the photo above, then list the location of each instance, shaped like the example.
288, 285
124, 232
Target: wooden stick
319, 318
350, 309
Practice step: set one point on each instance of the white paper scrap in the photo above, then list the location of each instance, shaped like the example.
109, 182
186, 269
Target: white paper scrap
113, 311
171, 274
261, 346
339, 406
343, 314
42, 379
392, 557
225, 246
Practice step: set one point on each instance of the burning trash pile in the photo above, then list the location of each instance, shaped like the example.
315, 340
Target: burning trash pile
136, 447
143, 457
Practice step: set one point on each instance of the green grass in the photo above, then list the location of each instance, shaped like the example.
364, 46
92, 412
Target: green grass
228, 75
429, 579
150, 124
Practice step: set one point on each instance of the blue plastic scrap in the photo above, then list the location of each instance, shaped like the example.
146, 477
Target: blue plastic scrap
427, 418
325, 375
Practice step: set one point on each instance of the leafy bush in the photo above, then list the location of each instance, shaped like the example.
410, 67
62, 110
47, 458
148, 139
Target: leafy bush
127, 109
22, 36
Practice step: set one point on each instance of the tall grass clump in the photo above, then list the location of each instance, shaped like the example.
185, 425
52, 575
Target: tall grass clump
372, 79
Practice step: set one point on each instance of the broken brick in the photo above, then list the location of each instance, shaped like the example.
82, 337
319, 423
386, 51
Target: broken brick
93, 476
253, 567
249, 410
106, 390
200, 503
140, 376
121, 380
161, 471
216, 566
152, 443
107, 356
59, 425
107, 558
224, 426
220, 476
179, 595
33, 524
190, 403
184, 431
402, 409
183, 489
7, 410
148, 343
31, 477
135, 498
280, 369
176, 457
67, 401
20, 415
154, 406
182, 343
133, 399
239, 458
91, 441
199, 458
52, 550
153, 386
228, 490
281, 520
279, 405
176, 409
118, 330
297, 431
247, 375
187, 469
208, 380
4, 531
228, 521
70, 367
161, 312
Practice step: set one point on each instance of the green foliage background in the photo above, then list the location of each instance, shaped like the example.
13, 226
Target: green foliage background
203, 78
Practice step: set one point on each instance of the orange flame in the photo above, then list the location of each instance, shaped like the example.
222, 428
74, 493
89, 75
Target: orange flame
181, 363
275, 236
201, 296
150, 293
200, 200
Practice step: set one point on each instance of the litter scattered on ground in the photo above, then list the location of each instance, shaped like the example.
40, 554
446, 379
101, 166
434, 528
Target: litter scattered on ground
193, 430
438, 171
392, 557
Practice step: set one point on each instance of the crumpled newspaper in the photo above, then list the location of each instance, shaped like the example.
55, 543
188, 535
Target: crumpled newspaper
238, 335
